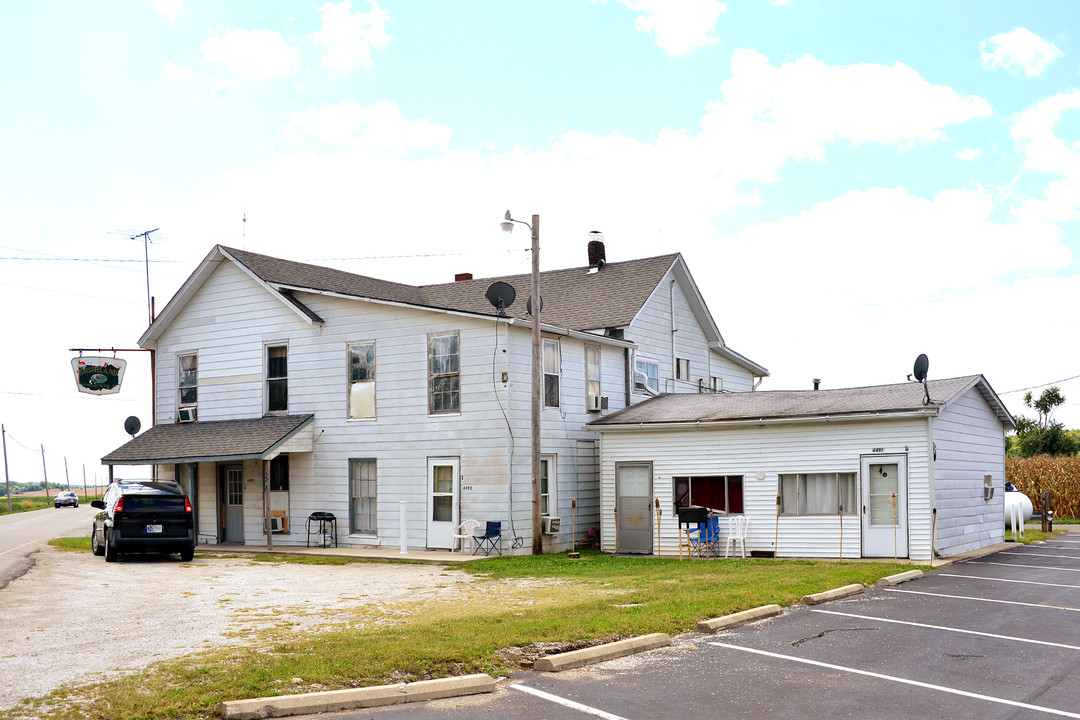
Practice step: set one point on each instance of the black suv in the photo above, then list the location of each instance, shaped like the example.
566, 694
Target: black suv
143, 516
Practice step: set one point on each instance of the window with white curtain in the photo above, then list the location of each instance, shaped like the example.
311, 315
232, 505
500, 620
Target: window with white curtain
818, 493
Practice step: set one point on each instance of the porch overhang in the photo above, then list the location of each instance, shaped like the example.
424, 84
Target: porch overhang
217, 441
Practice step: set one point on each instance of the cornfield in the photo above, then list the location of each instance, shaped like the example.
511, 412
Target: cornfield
1059, 474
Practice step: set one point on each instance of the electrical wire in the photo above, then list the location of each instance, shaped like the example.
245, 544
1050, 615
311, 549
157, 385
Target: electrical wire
517, 541
64, 292
1036, 387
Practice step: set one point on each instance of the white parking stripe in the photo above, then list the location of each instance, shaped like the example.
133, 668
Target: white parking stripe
949, 629
1037, 567
983, 599
904, 681
1037, 549
570, 703
19, 546
1006, 580
1042, 555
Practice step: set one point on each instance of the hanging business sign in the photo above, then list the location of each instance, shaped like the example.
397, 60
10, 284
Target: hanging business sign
98, 375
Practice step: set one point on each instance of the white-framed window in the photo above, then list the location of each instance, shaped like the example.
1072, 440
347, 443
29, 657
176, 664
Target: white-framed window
818, 493
444, 373
717, 384
361, 390
646, 374
363, 518
188, 379
277, 378
279, 473
592, 371
723, 493
551, 373
682, 368
549, 501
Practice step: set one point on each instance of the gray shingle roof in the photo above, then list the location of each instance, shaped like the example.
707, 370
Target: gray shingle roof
793, 404
205, 441
575, 299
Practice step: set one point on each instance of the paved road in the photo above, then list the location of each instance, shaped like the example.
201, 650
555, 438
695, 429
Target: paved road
996, 637
24, 533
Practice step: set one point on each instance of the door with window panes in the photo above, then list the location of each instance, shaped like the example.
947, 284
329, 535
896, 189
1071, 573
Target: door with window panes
884, 506
442, 514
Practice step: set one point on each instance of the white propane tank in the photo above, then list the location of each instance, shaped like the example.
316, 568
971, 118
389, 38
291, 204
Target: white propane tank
1014, 498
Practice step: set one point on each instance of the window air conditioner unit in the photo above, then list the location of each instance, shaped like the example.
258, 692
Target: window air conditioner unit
277, 523
187, 414
593, 403
550, 525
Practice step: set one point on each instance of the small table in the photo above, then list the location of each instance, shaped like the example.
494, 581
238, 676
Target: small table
322, 522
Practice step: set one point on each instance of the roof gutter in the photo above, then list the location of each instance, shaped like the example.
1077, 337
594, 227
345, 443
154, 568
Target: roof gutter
719, 424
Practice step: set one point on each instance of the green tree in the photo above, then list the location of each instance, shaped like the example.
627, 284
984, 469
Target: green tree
1043, 435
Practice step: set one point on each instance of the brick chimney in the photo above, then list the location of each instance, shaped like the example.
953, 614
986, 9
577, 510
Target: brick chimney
459, 277
597, 254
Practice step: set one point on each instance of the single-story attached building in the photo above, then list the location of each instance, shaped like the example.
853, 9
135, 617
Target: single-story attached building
854, 472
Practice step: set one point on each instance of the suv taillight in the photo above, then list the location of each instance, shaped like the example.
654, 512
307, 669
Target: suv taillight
119, 505
187, 505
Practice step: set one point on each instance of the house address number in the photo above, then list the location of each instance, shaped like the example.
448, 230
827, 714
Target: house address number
878, 450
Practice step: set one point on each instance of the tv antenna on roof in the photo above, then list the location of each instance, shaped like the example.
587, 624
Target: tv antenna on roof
922, 364
501, 295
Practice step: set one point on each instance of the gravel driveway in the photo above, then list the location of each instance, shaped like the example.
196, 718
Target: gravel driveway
73, 618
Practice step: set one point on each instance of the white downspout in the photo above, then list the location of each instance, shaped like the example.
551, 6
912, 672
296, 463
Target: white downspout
671, 299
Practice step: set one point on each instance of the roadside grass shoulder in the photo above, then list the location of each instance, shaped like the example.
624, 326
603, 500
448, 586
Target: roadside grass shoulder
29, 503
1031, 536
516, 602
71, 544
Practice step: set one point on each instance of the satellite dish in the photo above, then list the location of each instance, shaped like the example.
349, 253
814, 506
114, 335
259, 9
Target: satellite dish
132, 425
528, 305
922, 364
501, 295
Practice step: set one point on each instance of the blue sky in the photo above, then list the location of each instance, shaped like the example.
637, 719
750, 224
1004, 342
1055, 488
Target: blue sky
852, 183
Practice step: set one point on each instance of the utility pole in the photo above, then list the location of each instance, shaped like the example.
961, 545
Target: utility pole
85, 497
67, 476
45, 471
145, 235
7, 480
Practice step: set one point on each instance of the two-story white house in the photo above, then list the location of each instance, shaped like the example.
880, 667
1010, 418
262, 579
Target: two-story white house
284, 388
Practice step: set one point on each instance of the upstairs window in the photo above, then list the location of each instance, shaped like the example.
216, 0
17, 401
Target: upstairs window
551, 373
682, 368
717, 384
592, 371
361, 399
277, 378
188, 381
646, 375
444, 374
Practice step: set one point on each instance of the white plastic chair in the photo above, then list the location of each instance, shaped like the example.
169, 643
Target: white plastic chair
464, 531
736, 534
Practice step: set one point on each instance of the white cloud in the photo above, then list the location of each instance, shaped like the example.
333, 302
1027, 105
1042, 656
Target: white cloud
1044, 151
349, 38
383, 127
679, 27
1019, 50
254, 53
169, 8
174, 73
769, 114
970, 154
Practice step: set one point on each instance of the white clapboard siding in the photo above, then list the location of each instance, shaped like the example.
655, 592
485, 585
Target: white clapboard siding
970, 444
772, 450
652, 331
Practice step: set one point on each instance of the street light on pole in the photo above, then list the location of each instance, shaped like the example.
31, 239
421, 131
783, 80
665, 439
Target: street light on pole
537, 374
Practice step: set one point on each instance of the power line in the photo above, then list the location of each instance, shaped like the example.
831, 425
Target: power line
89, 260
1035, 387
64, 292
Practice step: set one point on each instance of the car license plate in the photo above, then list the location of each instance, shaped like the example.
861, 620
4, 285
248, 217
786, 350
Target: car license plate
153, 528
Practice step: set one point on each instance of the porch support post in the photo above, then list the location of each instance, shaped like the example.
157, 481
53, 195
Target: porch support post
266, 505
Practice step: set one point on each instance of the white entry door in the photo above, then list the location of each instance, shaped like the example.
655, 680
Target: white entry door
884, 506
442, 514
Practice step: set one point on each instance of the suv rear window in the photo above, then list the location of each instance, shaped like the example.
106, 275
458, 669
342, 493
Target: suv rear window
153, 502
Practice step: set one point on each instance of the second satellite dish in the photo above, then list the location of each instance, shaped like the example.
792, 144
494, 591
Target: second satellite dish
132, 425
501, 295
922, 364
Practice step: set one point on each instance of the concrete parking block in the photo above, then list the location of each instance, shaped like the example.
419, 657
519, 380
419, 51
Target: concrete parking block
356, 698
899, 578
834, 594
736, 619
600, 653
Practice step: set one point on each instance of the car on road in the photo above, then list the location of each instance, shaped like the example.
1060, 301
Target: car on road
143, 516
66, 498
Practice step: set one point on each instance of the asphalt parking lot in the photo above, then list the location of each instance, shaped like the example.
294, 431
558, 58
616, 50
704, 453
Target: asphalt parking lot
994, 637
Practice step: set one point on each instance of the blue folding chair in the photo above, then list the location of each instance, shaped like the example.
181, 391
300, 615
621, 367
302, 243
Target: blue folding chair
490, 540
705, 538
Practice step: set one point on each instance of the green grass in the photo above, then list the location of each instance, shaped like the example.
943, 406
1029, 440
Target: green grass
1031, 536
71, 544
558, 599
33, 502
